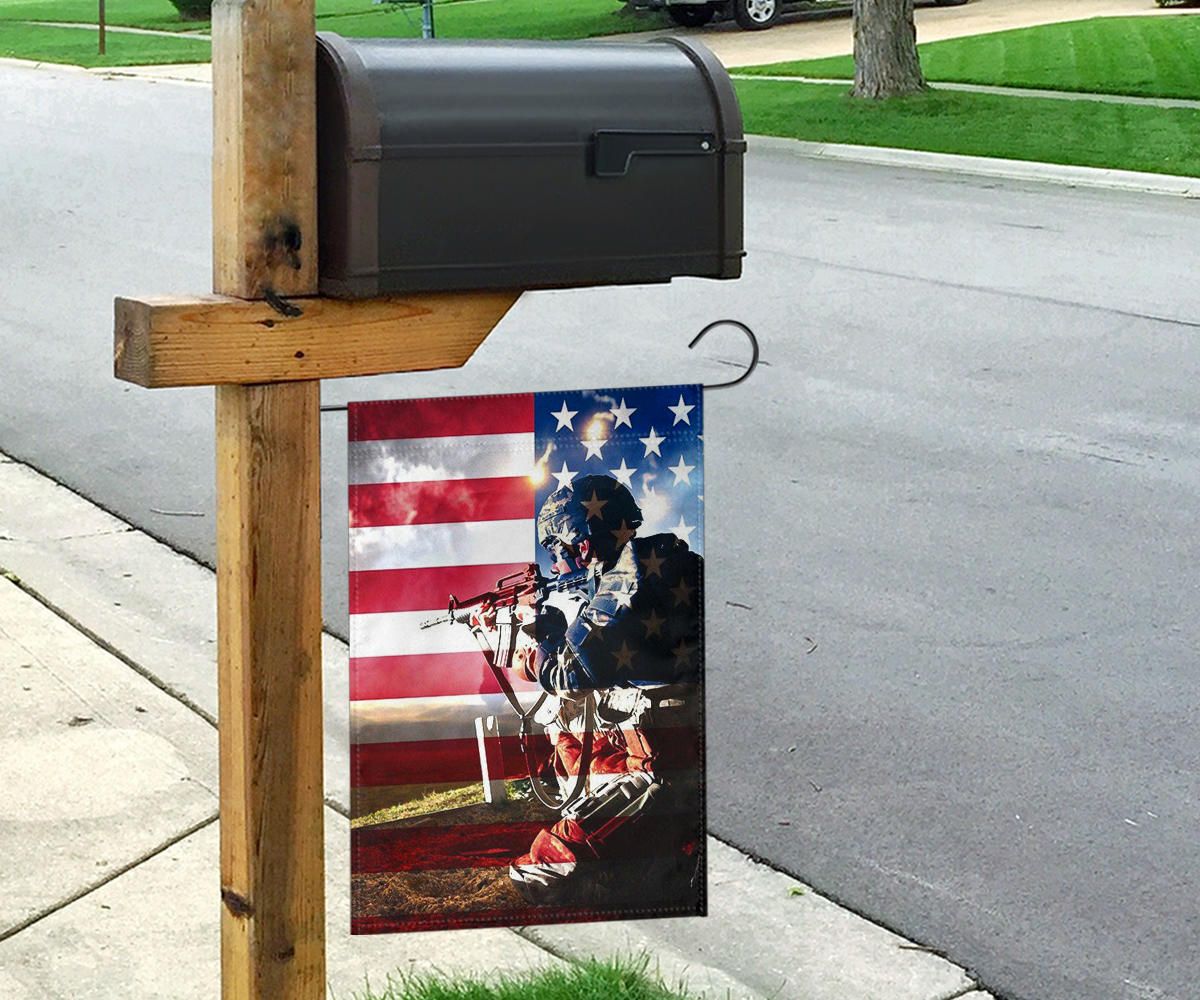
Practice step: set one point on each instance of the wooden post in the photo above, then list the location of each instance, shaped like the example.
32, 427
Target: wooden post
100, 21
268, 515
265, 358
269, 662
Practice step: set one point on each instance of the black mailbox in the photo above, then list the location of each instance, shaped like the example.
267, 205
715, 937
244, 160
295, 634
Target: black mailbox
462, 164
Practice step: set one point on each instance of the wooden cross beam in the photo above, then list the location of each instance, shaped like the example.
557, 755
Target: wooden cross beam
164, 341
265, 365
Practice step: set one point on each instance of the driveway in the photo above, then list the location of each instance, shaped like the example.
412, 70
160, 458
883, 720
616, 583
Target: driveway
797, 38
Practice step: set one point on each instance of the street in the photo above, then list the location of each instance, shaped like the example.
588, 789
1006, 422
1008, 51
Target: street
951, 531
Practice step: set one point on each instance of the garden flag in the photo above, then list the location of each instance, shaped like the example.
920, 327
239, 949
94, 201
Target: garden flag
526, 672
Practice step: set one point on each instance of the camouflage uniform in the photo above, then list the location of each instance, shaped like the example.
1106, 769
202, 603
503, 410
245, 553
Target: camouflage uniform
628, 668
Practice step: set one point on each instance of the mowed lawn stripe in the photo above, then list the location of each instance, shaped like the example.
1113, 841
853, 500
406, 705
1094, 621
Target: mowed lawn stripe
560, 19
158, 14
1154, 56
162, 15
557, 19
1078, 133
78, 47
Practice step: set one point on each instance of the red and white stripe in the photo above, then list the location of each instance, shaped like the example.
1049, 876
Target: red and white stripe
441, 502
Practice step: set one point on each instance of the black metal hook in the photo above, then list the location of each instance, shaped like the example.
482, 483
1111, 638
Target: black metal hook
753, 351
334, 408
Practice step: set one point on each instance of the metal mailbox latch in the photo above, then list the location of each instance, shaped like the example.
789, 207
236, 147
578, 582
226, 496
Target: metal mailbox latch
614, 149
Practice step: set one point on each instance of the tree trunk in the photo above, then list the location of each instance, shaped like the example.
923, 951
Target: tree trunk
885, 49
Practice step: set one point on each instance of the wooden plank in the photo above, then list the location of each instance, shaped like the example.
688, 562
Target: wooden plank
269, 653
213, 340
264, 148
268, 514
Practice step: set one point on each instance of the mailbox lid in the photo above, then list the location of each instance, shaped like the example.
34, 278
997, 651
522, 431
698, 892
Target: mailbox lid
462, 92
405, 100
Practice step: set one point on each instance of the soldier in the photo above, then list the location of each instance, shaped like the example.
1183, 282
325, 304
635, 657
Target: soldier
624, 663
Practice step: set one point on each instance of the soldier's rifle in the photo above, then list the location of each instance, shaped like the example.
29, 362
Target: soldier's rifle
527, 588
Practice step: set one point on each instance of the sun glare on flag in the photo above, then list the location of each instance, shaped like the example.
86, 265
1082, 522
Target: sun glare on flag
655, 507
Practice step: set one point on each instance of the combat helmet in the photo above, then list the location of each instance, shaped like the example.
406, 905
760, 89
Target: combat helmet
593, 508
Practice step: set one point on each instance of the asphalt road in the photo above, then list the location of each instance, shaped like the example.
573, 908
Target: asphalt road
951, 520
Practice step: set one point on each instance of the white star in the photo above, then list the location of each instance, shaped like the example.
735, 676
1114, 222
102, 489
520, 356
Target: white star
683, 654
564, 417
623, 475
652, 442
623, 533
594, 448
594, 507
564, 476
683, 531
622, 597
623, 656
681, 411
623, 413
683, 472
653, 563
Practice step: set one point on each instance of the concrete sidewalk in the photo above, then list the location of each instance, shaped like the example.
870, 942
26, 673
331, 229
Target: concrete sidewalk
109, 821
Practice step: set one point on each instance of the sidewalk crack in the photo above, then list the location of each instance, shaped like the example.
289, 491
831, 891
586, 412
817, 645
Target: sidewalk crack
110, 877
964, 992
109, 648
96, 534
531, 935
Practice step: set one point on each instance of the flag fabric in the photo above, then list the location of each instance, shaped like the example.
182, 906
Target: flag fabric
444, 498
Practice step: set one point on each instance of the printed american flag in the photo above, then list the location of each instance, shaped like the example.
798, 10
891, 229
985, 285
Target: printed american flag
444, 495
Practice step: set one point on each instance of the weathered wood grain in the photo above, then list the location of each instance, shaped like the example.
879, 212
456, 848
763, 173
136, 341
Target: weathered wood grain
270, 721
264, 147
212, 340
268, 511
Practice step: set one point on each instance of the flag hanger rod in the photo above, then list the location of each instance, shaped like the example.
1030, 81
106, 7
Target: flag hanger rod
753, 351
341, 407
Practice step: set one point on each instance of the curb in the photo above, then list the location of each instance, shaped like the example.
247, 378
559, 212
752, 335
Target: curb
769, 936
160, 73
192, 74
992, 90
985, 166
8, 62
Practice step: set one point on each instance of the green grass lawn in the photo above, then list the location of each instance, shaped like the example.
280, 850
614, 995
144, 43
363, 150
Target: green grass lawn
561, 19
558, 19
77, 46
1084, 133
592, 981
1156, 56
158, 14
473, 19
